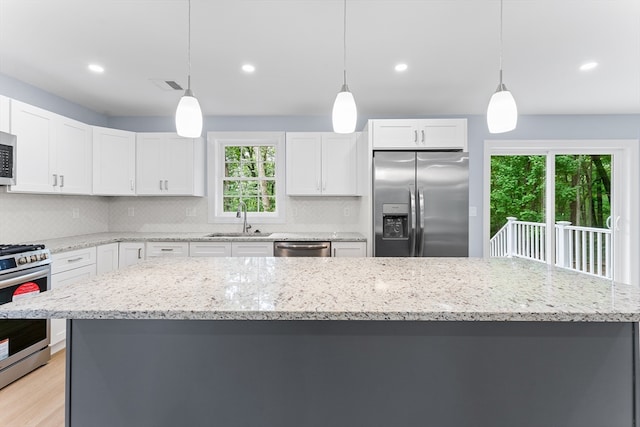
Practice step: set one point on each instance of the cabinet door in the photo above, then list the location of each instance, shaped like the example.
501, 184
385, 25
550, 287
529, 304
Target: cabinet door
209, 249
339, 165
251, 248
34, 129
5, 114
396, 134
73, 156
65, 278
114, 162
106, 258
130, 253
150, 165
179, 167
348, 249
167, 249
444, 133
303, 164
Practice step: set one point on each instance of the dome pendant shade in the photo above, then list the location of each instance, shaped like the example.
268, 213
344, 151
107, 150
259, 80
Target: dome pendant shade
345, 113
189, 116
502, 113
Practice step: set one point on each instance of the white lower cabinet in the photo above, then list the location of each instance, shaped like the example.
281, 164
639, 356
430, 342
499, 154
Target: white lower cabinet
167, 249
67, 268
209, 249
348, 249
251, 248
130, 253
106, 258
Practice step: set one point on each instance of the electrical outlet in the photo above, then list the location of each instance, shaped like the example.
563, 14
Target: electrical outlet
191, 212
131, 211
75, 213
347, 212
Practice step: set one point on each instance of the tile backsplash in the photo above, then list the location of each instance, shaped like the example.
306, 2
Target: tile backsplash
32, 217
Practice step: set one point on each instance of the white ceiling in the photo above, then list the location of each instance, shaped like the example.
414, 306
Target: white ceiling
451, 47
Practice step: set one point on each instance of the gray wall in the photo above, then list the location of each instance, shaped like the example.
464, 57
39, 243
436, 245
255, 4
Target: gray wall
529, 127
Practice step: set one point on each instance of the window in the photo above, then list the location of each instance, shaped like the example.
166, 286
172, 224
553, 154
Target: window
569, 203
246, 167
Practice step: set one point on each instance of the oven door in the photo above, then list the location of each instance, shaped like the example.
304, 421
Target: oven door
21, 337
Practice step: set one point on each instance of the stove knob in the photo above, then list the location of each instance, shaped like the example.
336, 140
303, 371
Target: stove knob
42, 256
34, 258
22, 260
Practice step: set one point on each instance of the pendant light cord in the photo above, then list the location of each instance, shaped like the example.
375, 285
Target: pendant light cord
500, 42
189, 48
344, 39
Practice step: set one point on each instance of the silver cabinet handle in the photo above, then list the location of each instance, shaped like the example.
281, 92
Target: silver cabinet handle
166, 184
334, 252
55, 179
74, 259
415, 136
166, 249
61, 181
422, 131
131, 182
160, 185
139, 253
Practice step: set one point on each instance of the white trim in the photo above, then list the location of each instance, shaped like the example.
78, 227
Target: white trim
626, 179
216, 143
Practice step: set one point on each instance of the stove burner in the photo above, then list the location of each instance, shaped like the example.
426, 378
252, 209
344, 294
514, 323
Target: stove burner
6, 249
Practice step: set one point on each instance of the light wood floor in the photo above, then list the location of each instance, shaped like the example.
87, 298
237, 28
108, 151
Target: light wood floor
37, 399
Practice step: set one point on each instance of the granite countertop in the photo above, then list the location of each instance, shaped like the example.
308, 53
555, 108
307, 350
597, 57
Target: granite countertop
424, 289
87, 240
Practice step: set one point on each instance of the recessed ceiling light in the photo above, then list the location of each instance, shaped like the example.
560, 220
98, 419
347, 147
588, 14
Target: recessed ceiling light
401, 67
248, 68
588, 66
96, 68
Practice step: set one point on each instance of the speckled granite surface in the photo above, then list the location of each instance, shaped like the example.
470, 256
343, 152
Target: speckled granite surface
87, 240
467, 289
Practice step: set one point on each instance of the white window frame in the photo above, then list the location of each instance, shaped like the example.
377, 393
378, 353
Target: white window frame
216, 143
625, 199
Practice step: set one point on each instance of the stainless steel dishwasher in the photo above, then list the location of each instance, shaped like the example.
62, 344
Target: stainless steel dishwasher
289, 249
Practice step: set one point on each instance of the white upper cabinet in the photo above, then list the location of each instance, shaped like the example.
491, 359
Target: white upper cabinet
74, 160
5, 114
168, 164
114, 162
54, 152
321, 164
415, 134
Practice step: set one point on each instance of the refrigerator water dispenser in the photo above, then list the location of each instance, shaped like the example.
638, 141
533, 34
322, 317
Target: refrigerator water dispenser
395, 221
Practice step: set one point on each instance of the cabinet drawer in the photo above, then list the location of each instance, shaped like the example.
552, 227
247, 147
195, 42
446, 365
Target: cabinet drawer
209, 249
348, 249
252, 249
65, 261
167, 249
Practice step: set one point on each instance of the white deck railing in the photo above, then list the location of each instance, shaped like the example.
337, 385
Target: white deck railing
583, 249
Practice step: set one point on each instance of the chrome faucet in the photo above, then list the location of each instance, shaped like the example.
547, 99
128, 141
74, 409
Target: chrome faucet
242, 208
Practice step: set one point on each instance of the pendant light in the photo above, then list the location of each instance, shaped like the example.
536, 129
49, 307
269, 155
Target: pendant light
188, 113
345, 113
502, 113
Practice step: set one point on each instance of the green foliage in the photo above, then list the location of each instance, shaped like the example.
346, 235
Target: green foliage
582, 189
249, 176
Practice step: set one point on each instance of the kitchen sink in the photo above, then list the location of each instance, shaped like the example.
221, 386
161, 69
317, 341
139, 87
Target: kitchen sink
238, 235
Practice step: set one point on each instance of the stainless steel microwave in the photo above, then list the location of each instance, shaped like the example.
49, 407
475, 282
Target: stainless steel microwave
7, 159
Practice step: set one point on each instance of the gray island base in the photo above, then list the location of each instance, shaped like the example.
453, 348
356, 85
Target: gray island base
232, 373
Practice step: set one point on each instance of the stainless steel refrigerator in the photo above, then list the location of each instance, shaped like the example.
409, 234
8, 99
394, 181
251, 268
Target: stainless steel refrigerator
421, 204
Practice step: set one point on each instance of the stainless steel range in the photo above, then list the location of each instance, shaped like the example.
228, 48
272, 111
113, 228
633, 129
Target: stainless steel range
25, 270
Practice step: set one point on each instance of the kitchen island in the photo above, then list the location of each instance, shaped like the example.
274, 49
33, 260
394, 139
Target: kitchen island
346, 342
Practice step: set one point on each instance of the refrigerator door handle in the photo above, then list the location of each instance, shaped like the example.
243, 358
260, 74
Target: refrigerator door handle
412, 214
420, 239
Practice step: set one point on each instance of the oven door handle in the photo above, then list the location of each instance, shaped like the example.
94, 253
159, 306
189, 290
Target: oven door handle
22, 278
